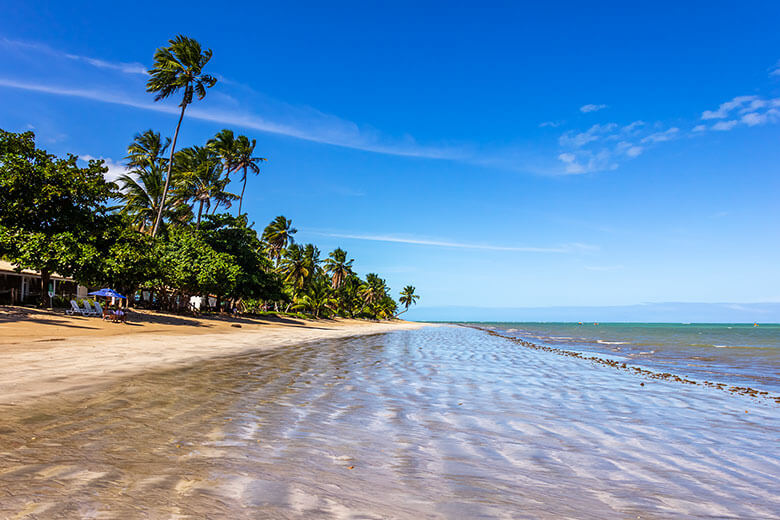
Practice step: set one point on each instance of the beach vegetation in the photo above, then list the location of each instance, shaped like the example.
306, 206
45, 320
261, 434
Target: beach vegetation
161, 232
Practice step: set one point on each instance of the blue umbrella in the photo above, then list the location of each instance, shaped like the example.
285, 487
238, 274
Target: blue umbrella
109, 293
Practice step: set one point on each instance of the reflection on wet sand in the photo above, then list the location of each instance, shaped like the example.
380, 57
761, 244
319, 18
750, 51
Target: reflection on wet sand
440, 423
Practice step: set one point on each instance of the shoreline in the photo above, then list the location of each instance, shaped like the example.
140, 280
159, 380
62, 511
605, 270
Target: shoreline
41, 356
622, 366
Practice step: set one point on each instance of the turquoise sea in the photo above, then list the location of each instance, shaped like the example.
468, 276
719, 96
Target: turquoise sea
732, 353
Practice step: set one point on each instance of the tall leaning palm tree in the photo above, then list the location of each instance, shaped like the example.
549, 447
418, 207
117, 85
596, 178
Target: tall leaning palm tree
244, 161
408, 298
176, 67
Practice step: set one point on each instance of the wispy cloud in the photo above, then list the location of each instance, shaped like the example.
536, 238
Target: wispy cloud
602, 147
742, 110
725, 125
660, 137
591, 108
319, 128
128, 68
550, 124
567, 248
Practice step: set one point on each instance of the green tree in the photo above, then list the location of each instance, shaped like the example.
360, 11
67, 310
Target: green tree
277, 235
176, 67
190, 266
408, 298
128, 258
49, 207
232, 235
338, 267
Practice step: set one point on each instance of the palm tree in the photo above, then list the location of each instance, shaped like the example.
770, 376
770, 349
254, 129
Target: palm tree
338, 267
295, 268
319, 298
312, 255
373, 290
201, 179
277, 235
147, 148
142, 191
225, 146
178, 66
244, 160
408, 298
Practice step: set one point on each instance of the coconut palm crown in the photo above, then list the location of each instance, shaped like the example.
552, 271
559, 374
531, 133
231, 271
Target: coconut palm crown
338, 267
408, 298
176, 67
246, 162
277, 235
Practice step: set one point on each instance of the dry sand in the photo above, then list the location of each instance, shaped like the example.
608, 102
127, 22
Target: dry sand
43, 352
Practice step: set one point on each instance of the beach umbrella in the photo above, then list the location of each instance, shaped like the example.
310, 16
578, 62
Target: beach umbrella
108, 293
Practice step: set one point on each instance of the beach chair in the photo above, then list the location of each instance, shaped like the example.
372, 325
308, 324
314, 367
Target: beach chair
104, 313
74, 309
88, 310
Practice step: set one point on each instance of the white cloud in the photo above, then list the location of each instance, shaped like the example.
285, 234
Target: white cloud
319, 128
725, 125
699, 128
591, 108
578, 140
127, 68
550, 124
753, 119
630, 149
566, 248
115, 170
660, 137
633, 127
726, 108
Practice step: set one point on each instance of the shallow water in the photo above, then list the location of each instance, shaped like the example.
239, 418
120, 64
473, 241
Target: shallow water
442, 422
736, 353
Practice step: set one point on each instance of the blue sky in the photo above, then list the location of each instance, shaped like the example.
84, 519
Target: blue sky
506, 156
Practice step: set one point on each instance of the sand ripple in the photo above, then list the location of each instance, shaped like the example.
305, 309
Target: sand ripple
434, 423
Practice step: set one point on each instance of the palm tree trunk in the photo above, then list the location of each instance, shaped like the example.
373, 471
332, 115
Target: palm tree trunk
200, 211
241, 199
170, 165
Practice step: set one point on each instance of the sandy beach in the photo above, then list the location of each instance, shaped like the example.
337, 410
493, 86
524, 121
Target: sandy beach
439, 422
47, 352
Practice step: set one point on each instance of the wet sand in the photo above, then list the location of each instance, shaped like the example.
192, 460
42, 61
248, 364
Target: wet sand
44, 352
440, 422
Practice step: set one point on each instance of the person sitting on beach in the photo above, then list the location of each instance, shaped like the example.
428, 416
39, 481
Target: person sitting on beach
120, 315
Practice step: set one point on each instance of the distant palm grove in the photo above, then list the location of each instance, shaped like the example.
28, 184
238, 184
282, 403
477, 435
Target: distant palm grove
165, 226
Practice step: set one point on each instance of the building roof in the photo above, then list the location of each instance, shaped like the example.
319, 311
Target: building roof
9, 268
